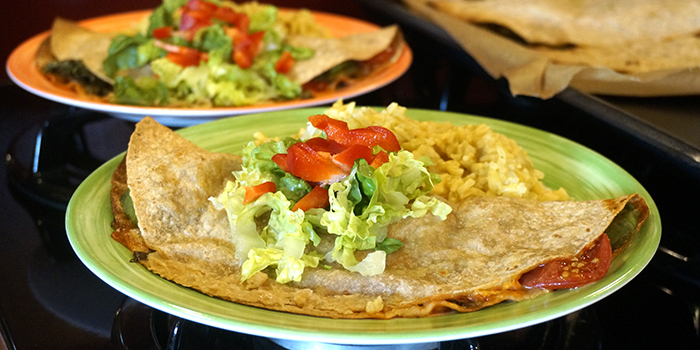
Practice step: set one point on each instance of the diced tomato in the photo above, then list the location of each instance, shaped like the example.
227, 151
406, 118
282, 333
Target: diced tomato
242, 60
317, 198
226, 14
245, 47
255, 42
379, 159
243, 23
196, 15
187, 22
590, 266
200, 5
284, 63
346, 159
162, 32
281, 160
184, 56
185, 59
192, 21
254, 192
199, 16
307, 164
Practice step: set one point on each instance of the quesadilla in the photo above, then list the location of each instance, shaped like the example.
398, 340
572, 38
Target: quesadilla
582, 22
472, 257
645, 39
204, 54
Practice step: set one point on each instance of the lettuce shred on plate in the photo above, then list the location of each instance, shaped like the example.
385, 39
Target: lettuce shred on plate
206, 53
361, 205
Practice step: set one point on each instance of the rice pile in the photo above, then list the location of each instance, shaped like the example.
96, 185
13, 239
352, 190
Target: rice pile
471, 159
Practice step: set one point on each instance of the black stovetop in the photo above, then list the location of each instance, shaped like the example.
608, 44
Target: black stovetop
50, 300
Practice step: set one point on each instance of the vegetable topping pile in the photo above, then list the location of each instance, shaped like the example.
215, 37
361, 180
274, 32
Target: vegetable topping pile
204, 53
350, 183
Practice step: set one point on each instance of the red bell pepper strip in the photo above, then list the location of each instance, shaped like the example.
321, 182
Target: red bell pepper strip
317, 198
373, 136
284, 63
254, 192
346, 159
307, 164
370, 136
379, 159
333, 128
281, 160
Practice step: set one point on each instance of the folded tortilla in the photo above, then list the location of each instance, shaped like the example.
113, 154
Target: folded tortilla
469, 261
330, 52
582, 22
70, 41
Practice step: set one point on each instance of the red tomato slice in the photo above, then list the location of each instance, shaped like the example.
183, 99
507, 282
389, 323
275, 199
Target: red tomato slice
346, 159
317, 198
307, 164
590, 266
254, 192
162, 32
284, 63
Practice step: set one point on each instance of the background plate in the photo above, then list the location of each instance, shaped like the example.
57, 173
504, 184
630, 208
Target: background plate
584, 173
23, 71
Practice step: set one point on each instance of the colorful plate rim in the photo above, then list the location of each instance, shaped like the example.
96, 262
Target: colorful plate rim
563, 161
22, 70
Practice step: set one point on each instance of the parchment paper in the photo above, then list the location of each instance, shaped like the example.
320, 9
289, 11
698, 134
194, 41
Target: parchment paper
531, 73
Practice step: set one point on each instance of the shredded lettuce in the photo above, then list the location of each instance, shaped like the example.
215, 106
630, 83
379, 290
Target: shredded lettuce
361, 222
217, 81
281, 243
362, 206
144, 91
130, 52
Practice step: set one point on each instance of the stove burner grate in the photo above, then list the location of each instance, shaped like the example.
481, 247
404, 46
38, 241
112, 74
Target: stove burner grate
138, 326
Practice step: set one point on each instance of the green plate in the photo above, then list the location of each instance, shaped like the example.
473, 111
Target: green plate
584, 173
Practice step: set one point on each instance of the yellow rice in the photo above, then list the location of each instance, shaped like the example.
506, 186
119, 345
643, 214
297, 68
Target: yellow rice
472, 160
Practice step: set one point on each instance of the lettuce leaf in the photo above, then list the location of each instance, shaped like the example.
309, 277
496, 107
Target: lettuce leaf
398, 189
129, 52
145, 91
281, 242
